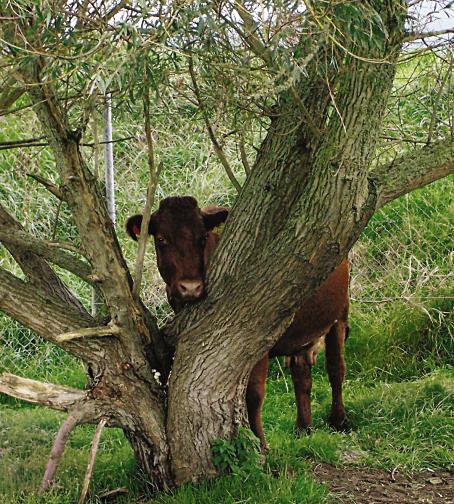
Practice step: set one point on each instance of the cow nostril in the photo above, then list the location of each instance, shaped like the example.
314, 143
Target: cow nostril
191, 288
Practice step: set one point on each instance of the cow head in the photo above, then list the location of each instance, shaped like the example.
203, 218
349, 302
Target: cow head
183, 241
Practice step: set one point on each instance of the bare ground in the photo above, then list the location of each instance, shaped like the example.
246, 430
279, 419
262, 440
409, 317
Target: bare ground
360, 485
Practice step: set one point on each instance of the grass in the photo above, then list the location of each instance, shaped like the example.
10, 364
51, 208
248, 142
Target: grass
408, 425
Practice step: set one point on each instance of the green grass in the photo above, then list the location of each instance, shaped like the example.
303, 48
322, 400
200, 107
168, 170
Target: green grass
407, 425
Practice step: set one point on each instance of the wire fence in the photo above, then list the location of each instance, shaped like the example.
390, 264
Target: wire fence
405, 255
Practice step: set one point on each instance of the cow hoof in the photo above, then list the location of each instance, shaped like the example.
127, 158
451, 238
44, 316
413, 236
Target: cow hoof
340, 424
304, 430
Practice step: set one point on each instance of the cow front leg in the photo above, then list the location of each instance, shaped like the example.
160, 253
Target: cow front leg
255, 394
301, 371
335, 365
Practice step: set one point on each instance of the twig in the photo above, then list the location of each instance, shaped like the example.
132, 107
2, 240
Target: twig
243, 154
10, 94
94, 144
23, 141
54, 189
418, 36
248, 35
89, 332
403, 139
152, 184
217, 146
447, 76
91, 460
57, 215
57, 450
22, 146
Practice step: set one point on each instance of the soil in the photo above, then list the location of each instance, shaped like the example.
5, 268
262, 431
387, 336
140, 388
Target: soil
368, 486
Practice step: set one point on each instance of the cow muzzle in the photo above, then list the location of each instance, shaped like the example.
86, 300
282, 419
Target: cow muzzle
190, 290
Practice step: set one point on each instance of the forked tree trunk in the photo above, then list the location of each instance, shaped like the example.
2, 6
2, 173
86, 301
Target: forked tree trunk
309, 196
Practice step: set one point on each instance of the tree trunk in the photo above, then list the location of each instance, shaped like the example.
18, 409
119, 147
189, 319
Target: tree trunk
304, 205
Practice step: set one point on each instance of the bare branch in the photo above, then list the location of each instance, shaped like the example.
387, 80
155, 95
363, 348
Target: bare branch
243, 154
34, 267
91, 460
217, 146
10, 95
48, 251
54, 189
89, 332
433, 118
418, 36
21, 142
248, 34
57, 450
152, 184
39, 310
413, 170
47, 394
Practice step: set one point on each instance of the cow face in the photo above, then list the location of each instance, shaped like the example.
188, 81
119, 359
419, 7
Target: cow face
183, 242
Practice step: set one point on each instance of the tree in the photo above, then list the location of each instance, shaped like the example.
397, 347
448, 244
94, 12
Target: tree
320, 78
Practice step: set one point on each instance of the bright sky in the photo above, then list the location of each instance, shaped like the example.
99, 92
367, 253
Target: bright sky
435, 15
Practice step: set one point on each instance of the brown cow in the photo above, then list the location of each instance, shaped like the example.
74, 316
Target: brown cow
184, 240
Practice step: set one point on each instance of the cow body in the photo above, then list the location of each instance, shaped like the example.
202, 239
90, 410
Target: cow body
184, 241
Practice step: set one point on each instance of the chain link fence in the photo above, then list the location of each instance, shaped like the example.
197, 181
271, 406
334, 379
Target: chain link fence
405, 255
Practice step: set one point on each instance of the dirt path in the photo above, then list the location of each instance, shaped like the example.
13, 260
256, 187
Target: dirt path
369, 486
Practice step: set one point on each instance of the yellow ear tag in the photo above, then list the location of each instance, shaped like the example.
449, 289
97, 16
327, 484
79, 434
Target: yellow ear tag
218, 229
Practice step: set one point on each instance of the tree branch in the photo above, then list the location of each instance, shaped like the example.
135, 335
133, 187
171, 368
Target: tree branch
244, 158
39, 310
10, 94
36, 269
47, 394
217, 146
58, 448
248, 34
410, 37
43, 249
87, 205
91, 460
96, 229
54, 189
413, 170
152, 184
89, 332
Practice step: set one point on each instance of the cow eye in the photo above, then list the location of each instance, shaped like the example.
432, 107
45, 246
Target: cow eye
204, 238
161, 241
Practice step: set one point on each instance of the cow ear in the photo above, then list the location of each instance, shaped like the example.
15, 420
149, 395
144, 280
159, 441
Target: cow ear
133, 226
213, 216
